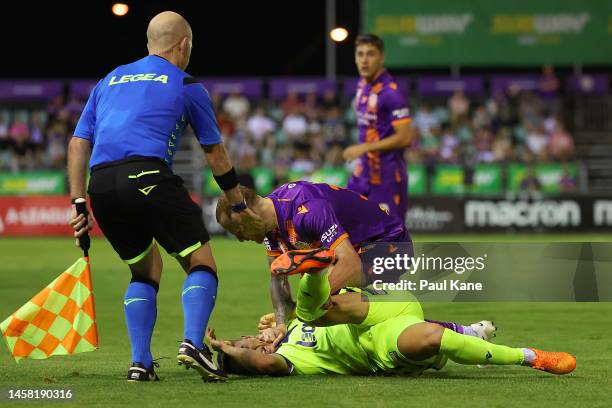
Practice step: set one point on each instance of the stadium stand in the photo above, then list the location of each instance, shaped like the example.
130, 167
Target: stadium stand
473, 134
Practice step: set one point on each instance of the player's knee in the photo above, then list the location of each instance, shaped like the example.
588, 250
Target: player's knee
141, 279
432, 336
199, 257
204, 268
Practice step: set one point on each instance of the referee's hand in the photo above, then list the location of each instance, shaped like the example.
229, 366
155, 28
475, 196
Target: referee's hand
79, 224
250, 222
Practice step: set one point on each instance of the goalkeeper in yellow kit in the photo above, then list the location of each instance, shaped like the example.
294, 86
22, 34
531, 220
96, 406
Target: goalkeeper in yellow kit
403, 343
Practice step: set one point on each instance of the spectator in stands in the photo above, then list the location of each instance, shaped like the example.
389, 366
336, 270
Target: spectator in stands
302, 162
334, 129
248, 161
295, 125
481, 117
236, 106
313, 120
531, 110
549, 83
57, 140
37, 136
567, 182
449, 145
268, 151
5, 144
226, 125
458, 106
333, 156
292, 103
4, 134
425, 120
537, 143
430, 143
531, 183
215, 101
551, 122
311, 105
330, 100
260, 125
483, 144
560, 143
22, 146
502, 146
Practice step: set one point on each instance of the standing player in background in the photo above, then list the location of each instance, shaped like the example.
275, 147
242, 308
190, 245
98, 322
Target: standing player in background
134, 119
384, 131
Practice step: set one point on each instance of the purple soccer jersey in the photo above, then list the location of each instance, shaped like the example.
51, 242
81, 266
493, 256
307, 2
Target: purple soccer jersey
381, 176
319, 215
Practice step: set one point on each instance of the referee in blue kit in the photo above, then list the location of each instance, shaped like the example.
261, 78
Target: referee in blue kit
132, 124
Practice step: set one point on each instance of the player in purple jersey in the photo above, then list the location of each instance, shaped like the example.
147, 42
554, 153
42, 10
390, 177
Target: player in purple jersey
383, 120
303, 215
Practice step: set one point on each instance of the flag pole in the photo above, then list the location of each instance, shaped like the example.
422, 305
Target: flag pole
84, 241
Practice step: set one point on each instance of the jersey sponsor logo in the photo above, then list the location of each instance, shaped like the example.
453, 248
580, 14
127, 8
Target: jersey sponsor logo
138, 77
308, 338
384, 207
372, 101
366, 118
401, 113
329, 235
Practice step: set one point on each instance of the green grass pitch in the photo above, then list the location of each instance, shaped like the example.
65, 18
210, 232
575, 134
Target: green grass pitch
98, 378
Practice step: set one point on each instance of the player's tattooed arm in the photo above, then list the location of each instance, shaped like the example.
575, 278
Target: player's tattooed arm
284, 306
282, 301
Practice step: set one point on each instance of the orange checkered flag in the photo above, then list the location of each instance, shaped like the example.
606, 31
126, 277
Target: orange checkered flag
59, 320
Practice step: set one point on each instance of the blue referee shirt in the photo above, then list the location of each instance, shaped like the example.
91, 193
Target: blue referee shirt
142, 108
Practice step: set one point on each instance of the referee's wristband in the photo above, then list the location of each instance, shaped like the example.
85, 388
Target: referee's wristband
239, 207
228, 180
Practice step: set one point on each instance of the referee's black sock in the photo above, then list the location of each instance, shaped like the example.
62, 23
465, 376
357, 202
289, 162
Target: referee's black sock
199, 294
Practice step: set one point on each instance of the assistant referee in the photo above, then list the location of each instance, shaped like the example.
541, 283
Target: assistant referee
132, 124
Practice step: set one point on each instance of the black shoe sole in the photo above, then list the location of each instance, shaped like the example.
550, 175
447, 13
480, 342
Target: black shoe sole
207, 376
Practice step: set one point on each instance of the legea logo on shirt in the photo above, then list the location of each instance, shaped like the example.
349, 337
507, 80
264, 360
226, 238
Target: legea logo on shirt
328, 235
138, 77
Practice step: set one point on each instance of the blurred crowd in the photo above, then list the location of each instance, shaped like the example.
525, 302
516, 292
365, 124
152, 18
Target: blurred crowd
514, 127
305, 133
37, 139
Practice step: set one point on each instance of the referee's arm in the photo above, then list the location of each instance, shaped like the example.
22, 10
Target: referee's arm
79, 149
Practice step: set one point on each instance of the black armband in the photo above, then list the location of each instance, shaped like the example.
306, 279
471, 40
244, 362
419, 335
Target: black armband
228, 180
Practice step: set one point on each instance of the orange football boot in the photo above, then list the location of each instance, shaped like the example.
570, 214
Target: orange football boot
553, 362
302, 261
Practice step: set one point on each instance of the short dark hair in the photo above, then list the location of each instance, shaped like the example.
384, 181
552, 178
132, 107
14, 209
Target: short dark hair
370, 38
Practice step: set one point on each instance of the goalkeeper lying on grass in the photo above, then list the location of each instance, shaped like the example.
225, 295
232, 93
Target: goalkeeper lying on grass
402, 344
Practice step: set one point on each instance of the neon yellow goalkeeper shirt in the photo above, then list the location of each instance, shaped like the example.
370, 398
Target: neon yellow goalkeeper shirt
324, 350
